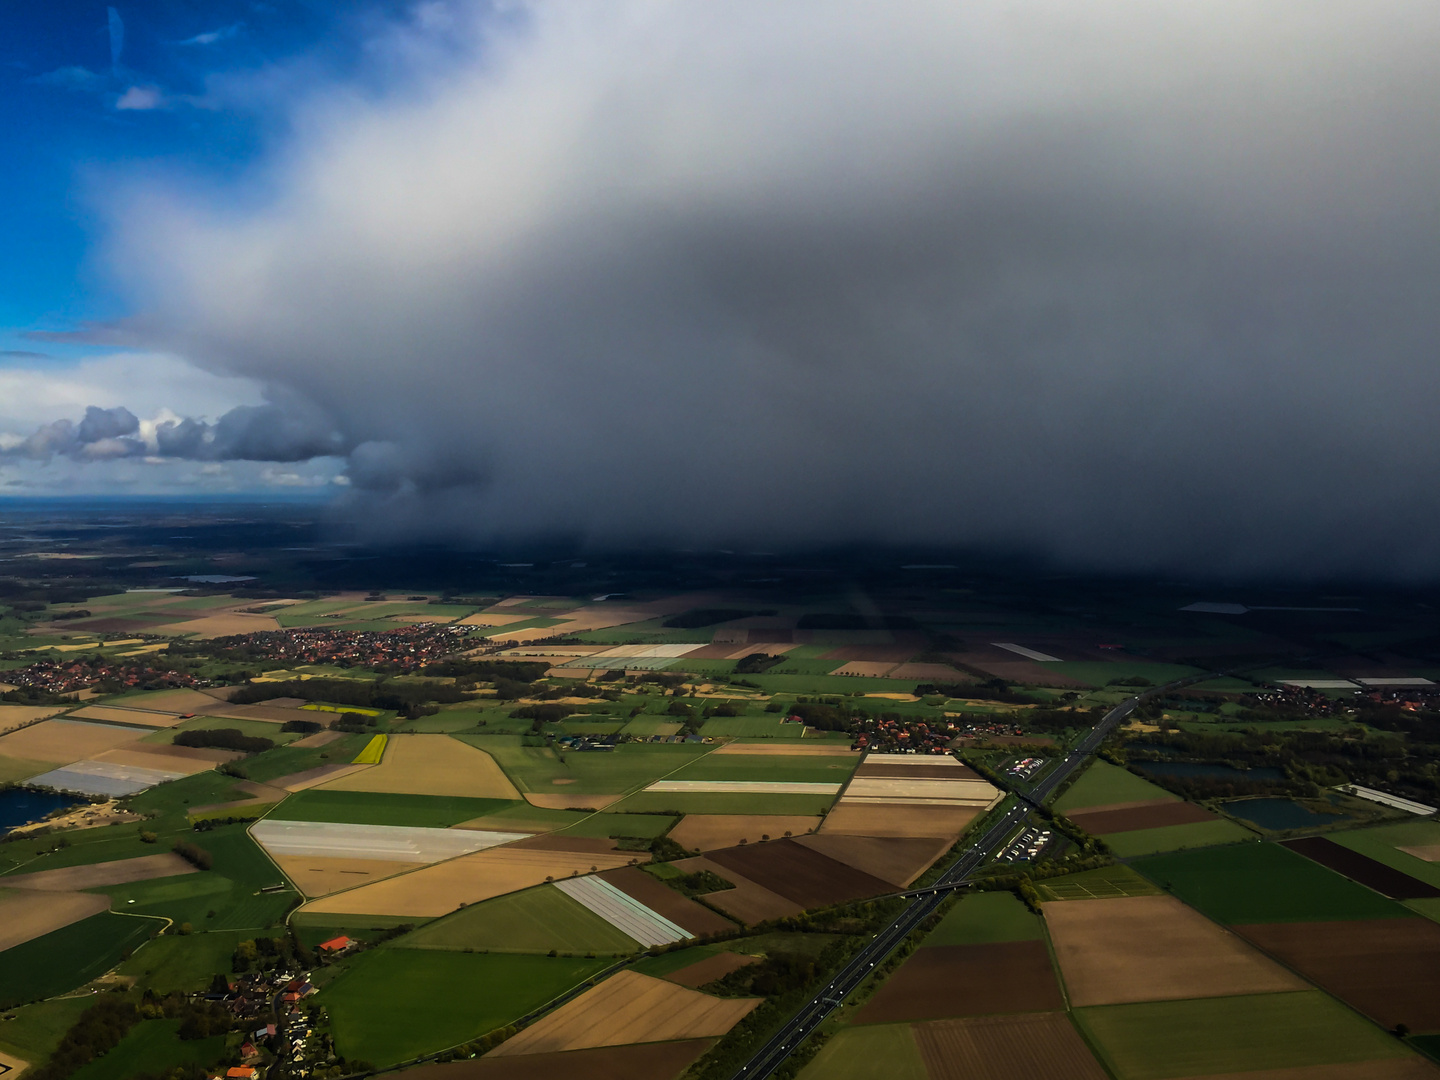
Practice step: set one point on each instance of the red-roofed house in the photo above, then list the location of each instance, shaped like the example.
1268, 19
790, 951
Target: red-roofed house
242, 1072
335, 945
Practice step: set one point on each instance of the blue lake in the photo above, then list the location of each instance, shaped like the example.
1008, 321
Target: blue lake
22, 807
1187, 769
1278, 814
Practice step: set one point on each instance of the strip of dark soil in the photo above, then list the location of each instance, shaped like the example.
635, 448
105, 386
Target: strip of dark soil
799, 874
710, 969
920, 772
1385, 880
663, 900
1103, 822
947, 981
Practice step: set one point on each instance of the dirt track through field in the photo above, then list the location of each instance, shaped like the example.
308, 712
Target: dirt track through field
26, 915
1388, 969
706, 832
1147, 816
1040, 1046
440, 889
748, 902
799, 873
898, 860
118, 872
710, 969
667, 902
628, 1008
1385, 880
431, 765
1154, 948
647, 1061
945, 981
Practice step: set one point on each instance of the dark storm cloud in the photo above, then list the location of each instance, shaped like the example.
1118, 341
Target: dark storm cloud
1130, 283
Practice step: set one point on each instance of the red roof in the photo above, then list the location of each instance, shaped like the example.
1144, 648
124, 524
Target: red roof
341, 942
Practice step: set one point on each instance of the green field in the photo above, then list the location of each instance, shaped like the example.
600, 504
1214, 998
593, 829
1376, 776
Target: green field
1102, 784
255, 728
1100, 672
1177, 837
626, 768
395, 1004
69, 957
646, 725
37, 1029
182, 964
383, 808
1256, 883
646, 826
1381, 844
702, 802
1199, 1037
985, 917
1108, 882
750, 727
772, 768
863, 1053
231, 889
532, 921
152, 1046
284, 760
664, 963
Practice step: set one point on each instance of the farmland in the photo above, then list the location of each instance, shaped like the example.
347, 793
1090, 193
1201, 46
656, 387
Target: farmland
69, 957
383, 808
534, 920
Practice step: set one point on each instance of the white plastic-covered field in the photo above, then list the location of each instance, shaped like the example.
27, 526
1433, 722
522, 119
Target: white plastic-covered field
744, 787
103, 778
389, 843
622, 911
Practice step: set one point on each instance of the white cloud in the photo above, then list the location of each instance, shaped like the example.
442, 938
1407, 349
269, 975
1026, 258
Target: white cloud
141, 99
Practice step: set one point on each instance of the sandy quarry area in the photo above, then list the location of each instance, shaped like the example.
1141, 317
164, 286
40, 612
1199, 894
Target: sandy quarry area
431, 765
1154, 948
628, 1008
27, 914
440, 889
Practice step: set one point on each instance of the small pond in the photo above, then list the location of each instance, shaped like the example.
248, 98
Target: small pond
1187, 769
1279, 814
19, 807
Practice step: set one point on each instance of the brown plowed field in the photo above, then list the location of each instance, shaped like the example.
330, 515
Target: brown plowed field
647, 1061
1041, 1046
431, 765
321, 774
25, 915
552, 842
920, 772
1385, 880
148, 756
1388, 969
320, 738
118, 872
897, 819
800, 874
898, 860
126, 716
440, 889
748, 902
967, 980
213, 626
706, 832
64, 741
889, 655
866, 669
1412, 1068
777, 635
1154, 948
316, 875
931, 673
1028, 672
665, 901
177, 701
571, 802
1104, 822
271, 714
628, 1008
710, 969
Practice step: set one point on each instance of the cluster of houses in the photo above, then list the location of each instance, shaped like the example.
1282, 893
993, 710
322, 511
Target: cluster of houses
270, 1001
69, 676
407, 647
903, 735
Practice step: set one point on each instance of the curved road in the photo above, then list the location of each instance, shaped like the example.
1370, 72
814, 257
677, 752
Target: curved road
924, 901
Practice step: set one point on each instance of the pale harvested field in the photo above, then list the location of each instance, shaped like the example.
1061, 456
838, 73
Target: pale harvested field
707, 832
517, 637
916, 761
12, 716
27, 914
898, 819
146, 757
1154, 948
439, 889
769, 648
1424, 852
320, 738
786, 748
177, 701
481, 619
748, 902
12, 1066
884, 789
744, 787
213, 626
1411, 1068
431, 765
63, 741
126, 716
898, 860
571, 802
118, 872
628, 1008
870, 669
321, 876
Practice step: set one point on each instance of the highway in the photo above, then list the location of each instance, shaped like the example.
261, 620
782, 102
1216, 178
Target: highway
924, 901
